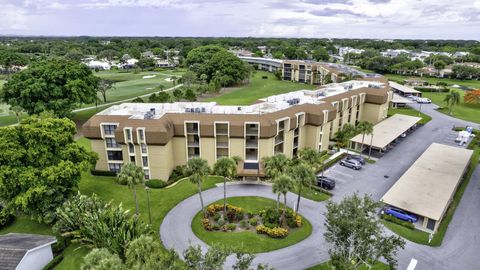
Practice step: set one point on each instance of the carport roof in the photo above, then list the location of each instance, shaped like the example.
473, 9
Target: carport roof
428, 185
403, 88
399, 99
388, 130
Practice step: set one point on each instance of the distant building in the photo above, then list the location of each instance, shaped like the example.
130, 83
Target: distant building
344, 50
95, 64
394, 53
25, 251
148, 54
262, 63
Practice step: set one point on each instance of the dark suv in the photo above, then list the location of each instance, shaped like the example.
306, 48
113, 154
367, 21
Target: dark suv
358, 158
325, 182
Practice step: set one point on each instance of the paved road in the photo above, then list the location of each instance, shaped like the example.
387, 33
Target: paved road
460, 246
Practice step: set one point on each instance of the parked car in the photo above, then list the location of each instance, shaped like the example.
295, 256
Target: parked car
351, 163
401, 214
325, 182
424, 100
359, 158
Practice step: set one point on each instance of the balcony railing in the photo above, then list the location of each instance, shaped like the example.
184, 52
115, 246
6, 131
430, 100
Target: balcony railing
193, 144
222, 144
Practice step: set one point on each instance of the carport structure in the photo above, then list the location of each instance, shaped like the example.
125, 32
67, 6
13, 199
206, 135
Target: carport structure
399, 101
428, 186
386, 132
404, 90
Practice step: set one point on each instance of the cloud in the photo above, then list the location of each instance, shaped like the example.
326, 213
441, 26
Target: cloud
304, 18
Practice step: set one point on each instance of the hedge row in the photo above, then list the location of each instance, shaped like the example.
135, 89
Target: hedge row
329, 163
156, 183
430, 89
54, 262
103, 173
398, 221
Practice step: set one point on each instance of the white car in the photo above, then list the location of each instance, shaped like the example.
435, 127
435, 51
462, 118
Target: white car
424, 100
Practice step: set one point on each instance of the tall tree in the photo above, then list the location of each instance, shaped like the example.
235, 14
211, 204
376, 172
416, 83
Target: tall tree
356, 236
40, 165
103, 86
198, 170
282, 185
227, 168
439, 65
276, 165
310, 156
365, 128
303, 176
452, 99
8, 59
132, 175
344, 135
55, 85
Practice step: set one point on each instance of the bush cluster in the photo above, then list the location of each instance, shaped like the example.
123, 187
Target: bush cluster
156, 183
398, 221
253, 222
275, 232
5, 217
103, 173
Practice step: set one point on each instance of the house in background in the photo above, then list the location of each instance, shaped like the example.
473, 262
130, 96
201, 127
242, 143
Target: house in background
21, 251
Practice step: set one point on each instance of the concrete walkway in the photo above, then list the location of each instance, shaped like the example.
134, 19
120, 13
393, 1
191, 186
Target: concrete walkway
461, 243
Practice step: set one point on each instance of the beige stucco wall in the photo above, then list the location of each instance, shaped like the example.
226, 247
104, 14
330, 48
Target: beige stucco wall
325, 136
265, 147
288, 144
374, 113
311, 136
160, 161
98, 146
302, 139
207, 150
237, 147
179, 150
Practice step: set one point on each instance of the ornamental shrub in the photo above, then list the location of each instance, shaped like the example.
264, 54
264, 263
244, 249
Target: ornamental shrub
253, 222
221, 221
206, 224
156, 183
217, 216
250, 214
5, 217
271, 217
275, 232
244, 224
231, 226
216, 227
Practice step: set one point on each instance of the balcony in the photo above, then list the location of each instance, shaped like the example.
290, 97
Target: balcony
193, 144
278, 140
296, 132
251, 132
251, 156
192, 130
251, 144
222, 144
221, 131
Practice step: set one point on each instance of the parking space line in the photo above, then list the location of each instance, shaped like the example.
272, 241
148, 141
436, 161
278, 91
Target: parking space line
412, 264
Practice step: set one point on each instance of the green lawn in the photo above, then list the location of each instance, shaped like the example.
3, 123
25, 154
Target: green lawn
411, 112
259, 88
312, 194
327, 266
249, 241
468, 112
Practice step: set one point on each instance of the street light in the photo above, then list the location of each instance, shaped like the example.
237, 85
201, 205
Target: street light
148, 203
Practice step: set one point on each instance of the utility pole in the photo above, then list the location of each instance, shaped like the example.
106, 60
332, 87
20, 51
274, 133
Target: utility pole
148, 204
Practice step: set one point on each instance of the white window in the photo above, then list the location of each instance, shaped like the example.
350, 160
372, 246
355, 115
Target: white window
109, 129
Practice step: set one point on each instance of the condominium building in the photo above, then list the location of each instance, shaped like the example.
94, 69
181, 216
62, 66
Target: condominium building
318, 73
160, 136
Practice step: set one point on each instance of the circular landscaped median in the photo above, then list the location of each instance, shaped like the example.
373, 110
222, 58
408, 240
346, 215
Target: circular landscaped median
251, 225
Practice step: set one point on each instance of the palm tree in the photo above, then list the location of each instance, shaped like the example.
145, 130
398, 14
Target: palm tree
453, 98
365, 128
310, 156
198, 169
345, 134
276, 165
226, 167
282, 185
132, 175
303, 175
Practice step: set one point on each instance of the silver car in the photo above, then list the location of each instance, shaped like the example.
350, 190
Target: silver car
351, 163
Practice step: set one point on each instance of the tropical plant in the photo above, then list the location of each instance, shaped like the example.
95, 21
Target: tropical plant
344, 135
276, 165
282, 185
452, 99
198, 170
365, 128
302, 175
97, 224
227, 168
356, 236
102, 259
310, 156
472, 97
131, 175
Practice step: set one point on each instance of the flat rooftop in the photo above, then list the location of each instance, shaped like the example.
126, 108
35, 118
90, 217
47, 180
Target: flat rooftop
428, 185
399, 99
268, 105
388, 130
402, 88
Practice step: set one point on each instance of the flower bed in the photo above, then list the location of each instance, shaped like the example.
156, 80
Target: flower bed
268, 221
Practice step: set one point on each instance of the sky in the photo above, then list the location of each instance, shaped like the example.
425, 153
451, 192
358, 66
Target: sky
383, 19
